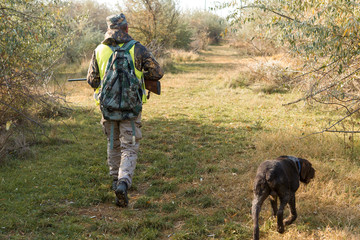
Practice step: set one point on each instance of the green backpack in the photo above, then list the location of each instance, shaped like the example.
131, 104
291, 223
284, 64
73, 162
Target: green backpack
121, 91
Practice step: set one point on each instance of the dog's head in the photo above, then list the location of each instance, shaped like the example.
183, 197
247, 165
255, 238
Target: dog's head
307, 171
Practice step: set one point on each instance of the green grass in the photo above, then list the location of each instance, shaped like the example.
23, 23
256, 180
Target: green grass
202, 142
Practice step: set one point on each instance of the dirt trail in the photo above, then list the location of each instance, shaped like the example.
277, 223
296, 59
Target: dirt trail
178, 94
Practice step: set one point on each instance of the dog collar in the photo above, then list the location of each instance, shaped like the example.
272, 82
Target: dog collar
296, 161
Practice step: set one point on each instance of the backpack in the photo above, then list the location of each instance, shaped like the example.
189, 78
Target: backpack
121, 91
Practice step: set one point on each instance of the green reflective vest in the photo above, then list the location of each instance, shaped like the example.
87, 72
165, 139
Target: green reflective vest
103, 53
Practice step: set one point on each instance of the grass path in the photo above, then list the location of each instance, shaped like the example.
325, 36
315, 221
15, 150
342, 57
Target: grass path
202, 144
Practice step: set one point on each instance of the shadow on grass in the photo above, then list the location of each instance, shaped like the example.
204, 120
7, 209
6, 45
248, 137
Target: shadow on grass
181, 147
72, 173
71, 176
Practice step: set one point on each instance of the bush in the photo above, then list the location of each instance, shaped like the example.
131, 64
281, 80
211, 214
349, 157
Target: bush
254, 47
183, 36
272, 76
207, 29
184, 56
265, 76
88, 31
34, 38
323, 33
154, 23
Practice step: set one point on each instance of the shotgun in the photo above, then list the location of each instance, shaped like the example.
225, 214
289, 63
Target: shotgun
152, 86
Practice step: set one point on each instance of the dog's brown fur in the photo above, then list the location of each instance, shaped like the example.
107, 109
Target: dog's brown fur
279, 178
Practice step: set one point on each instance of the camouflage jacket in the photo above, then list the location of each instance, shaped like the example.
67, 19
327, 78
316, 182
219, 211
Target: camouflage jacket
144, 60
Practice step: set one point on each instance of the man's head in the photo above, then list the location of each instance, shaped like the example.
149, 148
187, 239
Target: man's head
117, 21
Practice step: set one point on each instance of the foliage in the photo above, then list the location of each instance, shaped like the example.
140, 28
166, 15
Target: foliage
33, 37
88, 31
254, 38
184, 36
153, 22
208, 25
193, 180
96, 13
199, 29
326, 35
160, 25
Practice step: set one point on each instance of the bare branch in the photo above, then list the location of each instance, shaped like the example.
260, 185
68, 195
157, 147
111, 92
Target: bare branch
323, 89
336, 123
339, 131
268, 9
25, 15
21, 113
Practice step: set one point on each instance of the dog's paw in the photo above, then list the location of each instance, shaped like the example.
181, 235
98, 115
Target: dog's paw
281, 229
289, 220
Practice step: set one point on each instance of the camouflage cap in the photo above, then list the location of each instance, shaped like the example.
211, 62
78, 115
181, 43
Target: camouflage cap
116, 21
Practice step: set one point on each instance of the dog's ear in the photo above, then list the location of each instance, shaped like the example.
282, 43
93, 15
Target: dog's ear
307, 171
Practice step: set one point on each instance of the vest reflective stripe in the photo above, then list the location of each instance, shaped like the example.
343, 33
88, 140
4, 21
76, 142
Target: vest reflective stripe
103, 53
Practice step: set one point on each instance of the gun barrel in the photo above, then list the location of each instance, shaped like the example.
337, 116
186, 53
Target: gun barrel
76, 79
152, 86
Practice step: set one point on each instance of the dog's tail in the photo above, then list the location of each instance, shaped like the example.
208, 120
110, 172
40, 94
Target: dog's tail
271, 179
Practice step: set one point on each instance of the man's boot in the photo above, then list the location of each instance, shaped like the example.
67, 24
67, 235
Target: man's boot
121, 199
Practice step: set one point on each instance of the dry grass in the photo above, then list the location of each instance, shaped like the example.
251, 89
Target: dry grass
184, 56
256, 47
80, 94
220, 135
330, 202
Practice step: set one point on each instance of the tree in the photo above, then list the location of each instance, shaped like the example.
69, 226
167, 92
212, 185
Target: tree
88, 31
153, 22
33, 37
326, 34
207, 28
184, 36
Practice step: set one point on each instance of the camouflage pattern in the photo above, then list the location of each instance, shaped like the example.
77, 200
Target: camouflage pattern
123, 156
121, 93
115, 36
116, 21
144, 60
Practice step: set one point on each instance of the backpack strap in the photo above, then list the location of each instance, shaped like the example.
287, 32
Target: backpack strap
112, 135
127, 46
114, 48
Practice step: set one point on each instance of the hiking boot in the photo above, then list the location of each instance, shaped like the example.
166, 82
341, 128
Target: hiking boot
121, 199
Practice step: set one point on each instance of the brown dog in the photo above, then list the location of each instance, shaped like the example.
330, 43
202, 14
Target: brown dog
279, 178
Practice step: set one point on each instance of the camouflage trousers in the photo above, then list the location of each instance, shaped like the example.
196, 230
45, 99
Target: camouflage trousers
122, 157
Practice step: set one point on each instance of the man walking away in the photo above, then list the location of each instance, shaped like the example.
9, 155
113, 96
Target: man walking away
123, 136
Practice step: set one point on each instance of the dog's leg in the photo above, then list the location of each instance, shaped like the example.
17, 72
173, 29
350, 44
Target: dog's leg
284, 199
293, 214
273, 201
256, 207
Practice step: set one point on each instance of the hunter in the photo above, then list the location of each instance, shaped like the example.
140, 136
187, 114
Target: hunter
122, 152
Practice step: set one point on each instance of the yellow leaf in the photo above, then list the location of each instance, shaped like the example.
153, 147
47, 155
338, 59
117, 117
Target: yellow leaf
346, 30
8, 124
